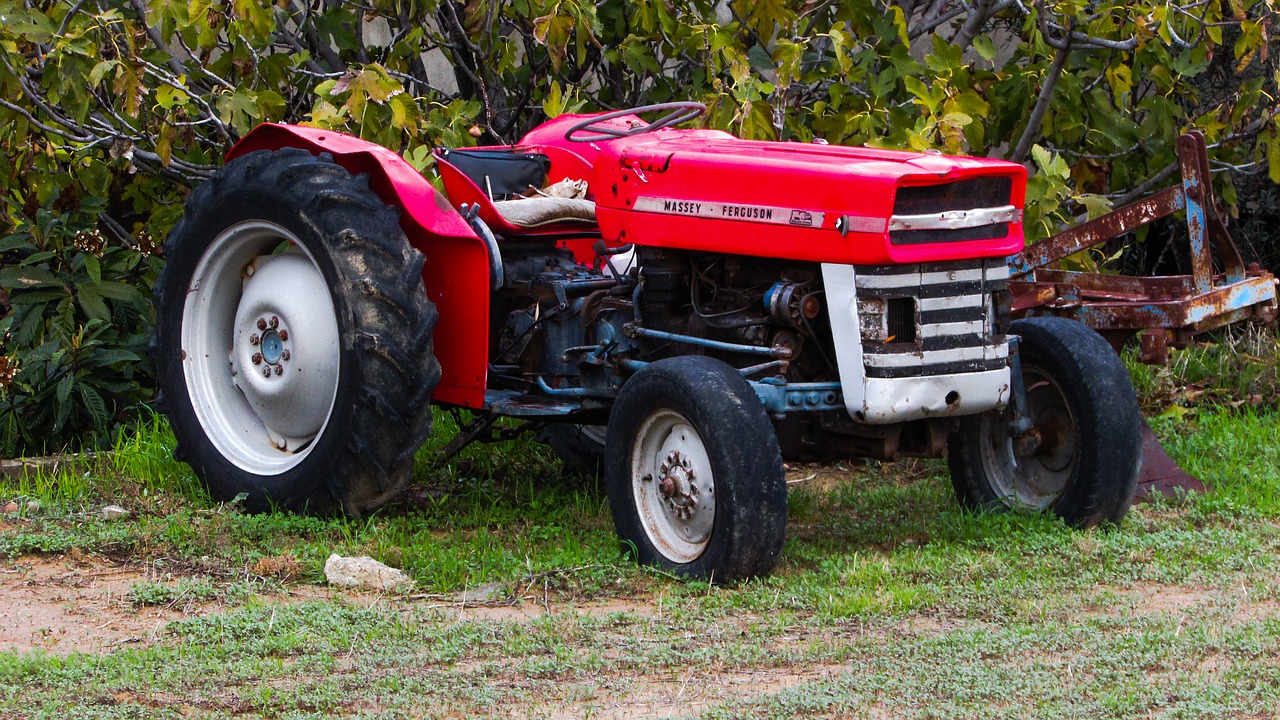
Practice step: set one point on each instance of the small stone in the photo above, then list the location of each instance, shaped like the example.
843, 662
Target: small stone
33, 506
114, 512
485, 593
9, 507
363, 571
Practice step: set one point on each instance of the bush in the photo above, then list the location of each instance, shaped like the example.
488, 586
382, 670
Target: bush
112, 109
79, 322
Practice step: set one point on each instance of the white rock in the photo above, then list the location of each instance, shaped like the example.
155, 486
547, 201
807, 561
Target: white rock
114, 512
363, 571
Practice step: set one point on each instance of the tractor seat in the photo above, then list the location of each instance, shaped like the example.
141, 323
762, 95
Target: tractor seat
495, 180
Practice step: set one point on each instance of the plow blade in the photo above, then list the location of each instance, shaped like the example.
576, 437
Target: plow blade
1160, 475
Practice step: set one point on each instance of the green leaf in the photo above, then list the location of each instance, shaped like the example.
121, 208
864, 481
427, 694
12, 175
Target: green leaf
553, 31
92, 303
1095, 205
27, 277
110, 356
63, 390
985, 47
759, 59
169, 97
93, 267
1273, 156
553, 103
115, 290
14, 242
239, 109
100, 70
95, 405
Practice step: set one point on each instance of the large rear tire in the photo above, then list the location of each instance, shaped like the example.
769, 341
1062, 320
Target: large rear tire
693, 471
1080, 398
294, 337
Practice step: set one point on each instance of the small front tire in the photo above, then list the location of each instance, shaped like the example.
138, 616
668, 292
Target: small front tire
1085, 464
694, 473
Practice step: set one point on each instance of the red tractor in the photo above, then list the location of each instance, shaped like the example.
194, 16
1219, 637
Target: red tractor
683, 308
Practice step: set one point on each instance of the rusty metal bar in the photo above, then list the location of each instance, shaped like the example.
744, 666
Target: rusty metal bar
1194, 192
1232, 262
1196, 313
1160, 287
1087, 234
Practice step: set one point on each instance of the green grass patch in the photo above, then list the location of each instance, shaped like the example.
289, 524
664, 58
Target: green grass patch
890, 599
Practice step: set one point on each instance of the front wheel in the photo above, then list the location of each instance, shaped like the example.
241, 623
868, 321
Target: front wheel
1081, 461
581, 447
694, 473
294, 337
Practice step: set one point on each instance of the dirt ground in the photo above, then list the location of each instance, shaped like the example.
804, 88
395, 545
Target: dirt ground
77, 603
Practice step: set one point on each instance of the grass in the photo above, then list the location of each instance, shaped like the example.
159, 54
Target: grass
890, 600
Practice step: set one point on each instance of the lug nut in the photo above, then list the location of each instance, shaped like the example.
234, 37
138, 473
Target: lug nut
279, 370
262, 324
266, 371
284, 334
275, 321
257, 358
284, 355
254, 339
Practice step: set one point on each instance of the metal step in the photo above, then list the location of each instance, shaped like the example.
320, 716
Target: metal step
514, 404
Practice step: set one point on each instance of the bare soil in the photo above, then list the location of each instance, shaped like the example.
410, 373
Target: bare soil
78, 604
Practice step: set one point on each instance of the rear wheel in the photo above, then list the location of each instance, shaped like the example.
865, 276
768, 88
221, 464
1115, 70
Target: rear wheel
693, 471
293, 338
1083, 462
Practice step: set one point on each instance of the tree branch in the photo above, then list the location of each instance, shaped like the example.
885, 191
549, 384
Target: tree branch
1032, 131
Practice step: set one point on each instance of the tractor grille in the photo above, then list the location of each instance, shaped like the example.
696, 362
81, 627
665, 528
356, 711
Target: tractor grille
966, 195
931, 318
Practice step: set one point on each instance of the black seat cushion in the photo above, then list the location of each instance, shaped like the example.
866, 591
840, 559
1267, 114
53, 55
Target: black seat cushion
500, 173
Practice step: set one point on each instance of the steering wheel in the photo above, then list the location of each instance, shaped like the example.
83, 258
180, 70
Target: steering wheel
676, 113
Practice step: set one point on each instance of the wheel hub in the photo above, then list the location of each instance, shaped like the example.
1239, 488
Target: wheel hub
272, 344
285, 356
674, 486
1031, 470
677, 485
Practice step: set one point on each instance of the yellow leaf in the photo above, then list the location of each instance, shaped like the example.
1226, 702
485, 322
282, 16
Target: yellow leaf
1176, 411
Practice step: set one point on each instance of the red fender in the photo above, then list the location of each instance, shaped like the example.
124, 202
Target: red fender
456, 273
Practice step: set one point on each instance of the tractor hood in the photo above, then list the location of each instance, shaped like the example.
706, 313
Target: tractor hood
706, 190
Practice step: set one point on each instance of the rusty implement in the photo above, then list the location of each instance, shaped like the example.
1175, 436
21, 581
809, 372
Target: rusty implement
1167, 310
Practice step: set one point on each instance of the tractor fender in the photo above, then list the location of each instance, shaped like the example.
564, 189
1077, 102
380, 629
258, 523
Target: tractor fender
456, 272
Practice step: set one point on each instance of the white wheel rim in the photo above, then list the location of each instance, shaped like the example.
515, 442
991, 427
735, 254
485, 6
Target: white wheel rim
1036, 481
673, 486
260, 349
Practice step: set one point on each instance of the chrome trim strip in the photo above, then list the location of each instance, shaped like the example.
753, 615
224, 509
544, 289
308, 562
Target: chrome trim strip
956, 219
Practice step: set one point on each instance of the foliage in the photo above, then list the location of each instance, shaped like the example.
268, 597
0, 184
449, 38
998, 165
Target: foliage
111, 109
79, 321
